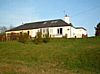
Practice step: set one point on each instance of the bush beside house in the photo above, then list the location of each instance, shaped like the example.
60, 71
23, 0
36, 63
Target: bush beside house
40, 39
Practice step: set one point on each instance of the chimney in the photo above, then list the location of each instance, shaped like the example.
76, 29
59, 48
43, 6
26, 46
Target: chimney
67, 19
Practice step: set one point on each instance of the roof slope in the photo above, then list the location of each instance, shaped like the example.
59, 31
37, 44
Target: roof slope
41, 24
80, 28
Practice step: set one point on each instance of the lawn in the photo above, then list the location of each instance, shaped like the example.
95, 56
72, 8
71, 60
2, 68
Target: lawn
59, 56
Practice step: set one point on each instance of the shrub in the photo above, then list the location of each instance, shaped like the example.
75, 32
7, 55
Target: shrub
38, 38
46, 38
23, 37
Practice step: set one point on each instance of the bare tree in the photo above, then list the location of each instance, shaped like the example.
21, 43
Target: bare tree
3, 29
10, 27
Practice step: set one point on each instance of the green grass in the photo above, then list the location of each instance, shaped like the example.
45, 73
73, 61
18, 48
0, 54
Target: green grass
59, 56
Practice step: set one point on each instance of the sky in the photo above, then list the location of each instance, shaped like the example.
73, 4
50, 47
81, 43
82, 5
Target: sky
83, 13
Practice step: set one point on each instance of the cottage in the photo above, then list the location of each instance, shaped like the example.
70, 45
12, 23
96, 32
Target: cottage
56, 28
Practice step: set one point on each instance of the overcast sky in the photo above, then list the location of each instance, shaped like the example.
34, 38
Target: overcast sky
84, 13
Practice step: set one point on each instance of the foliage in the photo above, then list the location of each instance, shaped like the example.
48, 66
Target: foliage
97, 30
24, 37
46, 39
38, 38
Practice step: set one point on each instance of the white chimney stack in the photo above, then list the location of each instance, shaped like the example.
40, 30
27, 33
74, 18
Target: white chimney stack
67, 19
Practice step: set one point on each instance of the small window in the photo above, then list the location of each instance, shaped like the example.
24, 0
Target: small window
28, 32
59, 31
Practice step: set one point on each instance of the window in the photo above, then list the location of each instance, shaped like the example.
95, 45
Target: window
28, 32
45, 30
59, 31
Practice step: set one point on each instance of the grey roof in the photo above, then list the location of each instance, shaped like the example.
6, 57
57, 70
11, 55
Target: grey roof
80, 28
41, 24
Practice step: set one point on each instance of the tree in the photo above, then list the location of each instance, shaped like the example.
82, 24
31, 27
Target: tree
97, 33
3, 29
10, 27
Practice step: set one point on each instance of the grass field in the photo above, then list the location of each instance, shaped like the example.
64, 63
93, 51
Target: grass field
59, 56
